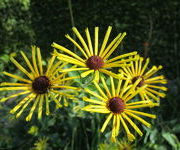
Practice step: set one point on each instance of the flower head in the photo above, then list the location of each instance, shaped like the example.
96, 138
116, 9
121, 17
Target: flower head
116, 103
40, 87
93, 59
139, 71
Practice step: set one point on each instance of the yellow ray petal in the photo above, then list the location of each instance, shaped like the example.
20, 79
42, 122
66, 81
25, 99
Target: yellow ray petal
74, 69
112, 86
98, 110
143, 105
93, 106
110, 73
69, 59
114, 46
140, 113
95, 94
151, 95
136, 66
65, 87
96, 76
124, 87
55, 68
59, 77
77, 45
28, 63
154, 78
110, 45
121, 56
117, 124
158, 87
24, 100
82, 41
50, 63
41, 99
106, 87
24, 106
21, 68
94, 101
116, 64
64, 94
156, 92
60, 81
89, 41
14, 88
132, 124
132, 67
130, 71
106, 37
139, 118
34, 60
140, 65
47, 104
16, 84
128, 91
86, 73
138, 102
39, 61
96, 41
57, 103
127, 73
14, 95
146, 97
113, 135
135, 93
100, 91
67, 51
28, 118
118, 87
159, 81
65, 102
122, 63
144, 67
106, 122
130, 136
142, 96
152, 71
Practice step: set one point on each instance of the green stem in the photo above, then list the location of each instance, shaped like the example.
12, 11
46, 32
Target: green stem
72, 20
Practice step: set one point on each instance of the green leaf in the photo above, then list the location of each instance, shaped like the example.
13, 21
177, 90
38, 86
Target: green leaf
171, 139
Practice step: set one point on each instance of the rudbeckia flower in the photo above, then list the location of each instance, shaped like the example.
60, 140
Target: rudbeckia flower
40, 86
147, 76
93, 59
115, 102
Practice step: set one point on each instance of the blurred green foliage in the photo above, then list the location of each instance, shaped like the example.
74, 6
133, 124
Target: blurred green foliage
152, 29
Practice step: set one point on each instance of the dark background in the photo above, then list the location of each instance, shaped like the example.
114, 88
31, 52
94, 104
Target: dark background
152, 29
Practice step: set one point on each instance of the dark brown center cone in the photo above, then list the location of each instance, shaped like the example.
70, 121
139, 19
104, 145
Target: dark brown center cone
95, 62
41, 85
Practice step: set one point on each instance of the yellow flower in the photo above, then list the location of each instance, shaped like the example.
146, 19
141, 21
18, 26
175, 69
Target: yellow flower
115, 103
40, 87
64, 100
93, 60
125, 145
138, 71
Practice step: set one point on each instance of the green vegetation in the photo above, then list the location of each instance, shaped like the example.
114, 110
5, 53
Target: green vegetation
152, 29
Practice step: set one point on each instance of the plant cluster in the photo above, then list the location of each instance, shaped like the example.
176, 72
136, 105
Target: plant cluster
123, 86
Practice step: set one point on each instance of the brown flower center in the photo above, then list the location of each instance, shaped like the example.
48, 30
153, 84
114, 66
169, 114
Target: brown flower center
41, 85
116, 105
141, 83
95, 62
